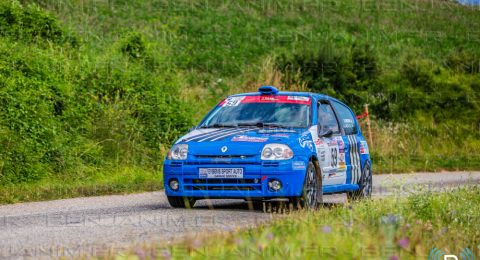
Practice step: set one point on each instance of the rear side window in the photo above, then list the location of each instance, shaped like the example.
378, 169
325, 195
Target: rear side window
346, 117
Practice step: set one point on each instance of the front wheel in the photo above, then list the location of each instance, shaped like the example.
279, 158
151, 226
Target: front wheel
365, 191
312, 194
181, 202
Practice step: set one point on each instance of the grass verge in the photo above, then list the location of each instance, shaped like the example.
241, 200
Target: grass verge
114, 181
388, 228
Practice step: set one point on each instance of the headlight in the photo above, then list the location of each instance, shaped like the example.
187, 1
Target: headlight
178, 152
276, 152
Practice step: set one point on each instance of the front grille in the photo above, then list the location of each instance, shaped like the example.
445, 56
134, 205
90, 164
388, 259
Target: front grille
226, 181
221, 162
252, 184
176, 164
223, 159
271, 164
224, 156
225, 188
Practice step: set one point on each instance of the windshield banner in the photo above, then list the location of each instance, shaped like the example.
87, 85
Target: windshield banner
235, 101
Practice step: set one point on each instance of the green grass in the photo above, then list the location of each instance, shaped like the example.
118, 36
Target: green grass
413, 148
100, 182
387, 228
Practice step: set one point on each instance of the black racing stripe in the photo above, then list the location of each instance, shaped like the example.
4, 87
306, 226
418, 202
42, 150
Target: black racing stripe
356, 158
226, 133
352, 159
200, 136
353, 146
359, 167
231, 134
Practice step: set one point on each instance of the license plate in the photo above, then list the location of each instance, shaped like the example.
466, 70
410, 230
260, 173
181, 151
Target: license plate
224, 173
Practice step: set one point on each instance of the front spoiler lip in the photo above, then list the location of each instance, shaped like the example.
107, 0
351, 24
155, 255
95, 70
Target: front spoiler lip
284, 198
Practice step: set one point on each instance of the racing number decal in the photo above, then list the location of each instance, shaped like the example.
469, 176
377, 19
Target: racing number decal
233, 101
334, 157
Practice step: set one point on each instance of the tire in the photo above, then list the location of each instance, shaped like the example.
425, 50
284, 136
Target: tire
365, 191
181, 202
312, 194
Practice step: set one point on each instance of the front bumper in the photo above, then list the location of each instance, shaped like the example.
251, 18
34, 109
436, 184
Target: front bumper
254, 184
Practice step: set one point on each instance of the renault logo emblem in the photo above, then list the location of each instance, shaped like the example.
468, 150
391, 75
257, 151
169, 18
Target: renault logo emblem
224, 149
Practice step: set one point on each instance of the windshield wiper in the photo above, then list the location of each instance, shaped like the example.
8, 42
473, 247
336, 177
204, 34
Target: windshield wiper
262, 124
216, 125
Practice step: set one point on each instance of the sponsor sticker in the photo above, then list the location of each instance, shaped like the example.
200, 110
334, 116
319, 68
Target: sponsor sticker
322, 155
268, 98
246, 138
363, 147
332, 173
280, 135
341, 161
298, 165
341, 144
298, 98
306, 141
333, 143
267, 131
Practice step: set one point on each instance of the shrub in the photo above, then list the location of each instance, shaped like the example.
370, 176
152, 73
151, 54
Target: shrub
463, 61
134, 46
31, 24
347, 74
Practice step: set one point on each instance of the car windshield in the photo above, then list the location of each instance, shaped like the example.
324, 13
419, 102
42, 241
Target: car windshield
261, 111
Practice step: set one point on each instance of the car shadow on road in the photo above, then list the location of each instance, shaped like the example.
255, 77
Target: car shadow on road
257, 206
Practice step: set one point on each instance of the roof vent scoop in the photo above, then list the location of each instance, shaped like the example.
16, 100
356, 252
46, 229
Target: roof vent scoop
268, 90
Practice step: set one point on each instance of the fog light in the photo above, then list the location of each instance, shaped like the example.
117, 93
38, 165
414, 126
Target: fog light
173, 184
275, 185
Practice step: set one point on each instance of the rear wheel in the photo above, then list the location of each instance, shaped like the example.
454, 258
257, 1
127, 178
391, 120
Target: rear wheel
365, 184
312, 194
181, 202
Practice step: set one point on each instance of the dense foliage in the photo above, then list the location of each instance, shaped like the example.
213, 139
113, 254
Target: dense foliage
94, 85
441, 92
63, 112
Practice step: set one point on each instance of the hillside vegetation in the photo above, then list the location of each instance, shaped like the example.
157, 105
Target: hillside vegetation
94, 92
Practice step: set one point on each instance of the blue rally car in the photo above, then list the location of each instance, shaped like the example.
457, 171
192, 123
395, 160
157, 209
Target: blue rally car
269, 145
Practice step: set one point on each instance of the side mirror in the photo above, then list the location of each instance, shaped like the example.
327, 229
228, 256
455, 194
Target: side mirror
326, 133
192, 128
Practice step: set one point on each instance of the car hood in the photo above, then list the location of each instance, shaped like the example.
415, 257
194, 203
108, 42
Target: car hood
235, 141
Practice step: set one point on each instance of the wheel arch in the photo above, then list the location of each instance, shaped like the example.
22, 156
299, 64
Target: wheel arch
365, 162
316, 163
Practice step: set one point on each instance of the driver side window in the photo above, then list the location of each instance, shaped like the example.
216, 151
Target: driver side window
326, 118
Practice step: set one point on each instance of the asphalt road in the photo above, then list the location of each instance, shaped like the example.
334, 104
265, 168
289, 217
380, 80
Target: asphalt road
90, 226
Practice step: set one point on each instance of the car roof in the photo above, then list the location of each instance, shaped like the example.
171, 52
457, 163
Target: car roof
290, 93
